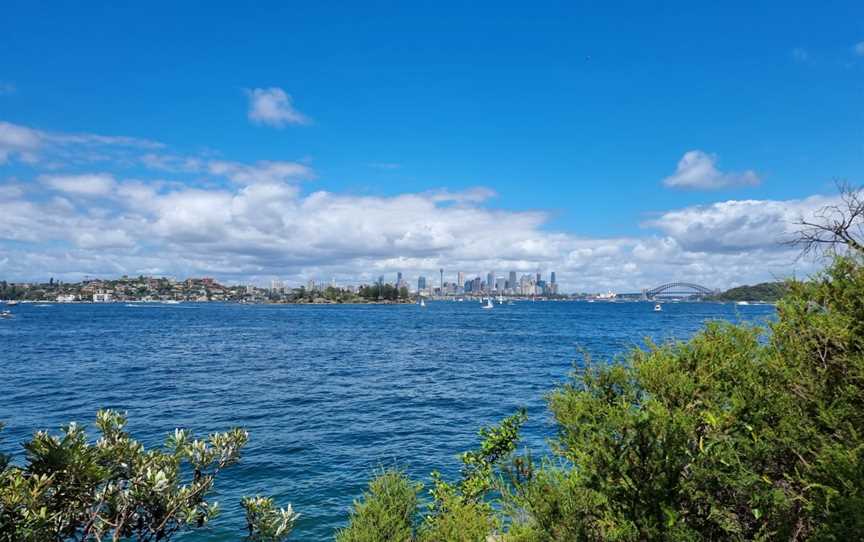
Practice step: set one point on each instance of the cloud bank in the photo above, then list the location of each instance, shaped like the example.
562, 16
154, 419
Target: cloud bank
250, 222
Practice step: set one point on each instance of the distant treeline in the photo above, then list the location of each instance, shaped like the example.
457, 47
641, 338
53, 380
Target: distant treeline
765, 291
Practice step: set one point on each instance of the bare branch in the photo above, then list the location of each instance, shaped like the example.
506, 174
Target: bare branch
834, 229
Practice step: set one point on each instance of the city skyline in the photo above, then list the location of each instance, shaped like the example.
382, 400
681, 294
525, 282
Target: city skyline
617, 150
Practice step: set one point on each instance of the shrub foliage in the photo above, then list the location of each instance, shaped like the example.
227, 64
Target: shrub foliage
115, 489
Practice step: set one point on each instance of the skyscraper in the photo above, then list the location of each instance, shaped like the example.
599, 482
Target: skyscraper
399, 277
490, 281
460, 279
539, 278
442, 280
511, 283
552, 277
421, 283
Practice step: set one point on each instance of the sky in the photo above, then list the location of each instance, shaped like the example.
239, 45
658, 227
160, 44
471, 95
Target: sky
622, 145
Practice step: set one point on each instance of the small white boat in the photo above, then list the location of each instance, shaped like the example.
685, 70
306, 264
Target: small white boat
11, 303
5, 314
489, 304
658, 307
422, 302
500, 299
742, 303
171, 302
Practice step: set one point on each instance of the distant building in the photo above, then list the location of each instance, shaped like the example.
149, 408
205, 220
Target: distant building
460, 279
102, 297
421, 284
500, 284
527, 285
511, 282
552, 277
490, 280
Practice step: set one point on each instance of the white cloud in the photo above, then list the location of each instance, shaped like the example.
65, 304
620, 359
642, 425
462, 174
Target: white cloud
266, 228
262, 225
28, 144
264, 171
273, 106
18, 141
102, 140
90, 184
472, 195
737, 225
698, 170
859, 48
172, 163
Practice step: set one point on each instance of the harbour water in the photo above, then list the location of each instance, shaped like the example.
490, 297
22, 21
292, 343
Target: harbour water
328, 393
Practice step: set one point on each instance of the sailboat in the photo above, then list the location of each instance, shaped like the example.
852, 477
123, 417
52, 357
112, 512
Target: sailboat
500, 299
489, 304
658, 308
422, 302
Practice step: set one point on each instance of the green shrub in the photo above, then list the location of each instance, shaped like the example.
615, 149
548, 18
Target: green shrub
72, 489
729, 436
385, 513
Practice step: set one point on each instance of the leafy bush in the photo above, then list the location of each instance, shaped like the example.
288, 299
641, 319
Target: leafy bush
385, 513
71, 489
729, 436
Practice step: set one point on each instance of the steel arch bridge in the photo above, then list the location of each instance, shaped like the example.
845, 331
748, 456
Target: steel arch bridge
679, 288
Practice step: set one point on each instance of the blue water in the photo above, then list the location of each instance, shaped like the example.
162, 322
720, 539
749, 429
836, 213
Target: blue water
329, 393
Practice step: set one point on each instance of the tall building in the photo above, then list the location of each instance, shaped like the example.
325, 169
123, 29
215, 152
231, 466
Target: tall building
538, 278
527, 285
399, 277
442, 280
499, 284
421, 284
490, 280
511, 283
552, 277
460, 279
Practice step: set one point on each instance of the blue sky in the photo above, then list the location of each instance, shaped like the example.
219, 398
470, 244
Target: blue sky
576, 111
